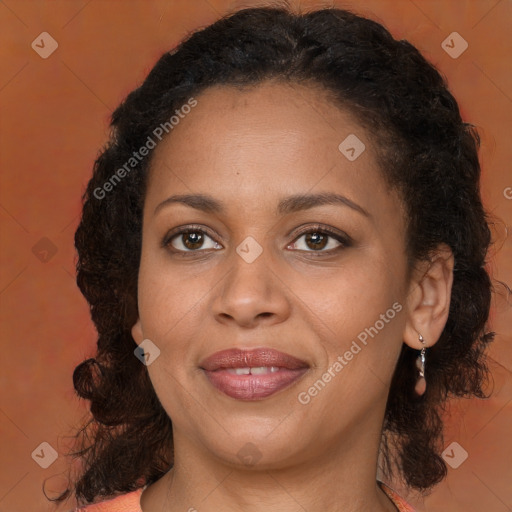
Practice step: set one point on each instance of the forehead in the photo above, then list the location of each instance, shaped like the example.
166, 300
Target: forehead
291, 132
251, 148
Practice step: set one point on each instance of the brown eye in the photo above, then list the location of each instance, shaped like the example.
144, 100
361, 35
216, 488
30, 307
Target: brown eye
316, 241
190, 240
320, 241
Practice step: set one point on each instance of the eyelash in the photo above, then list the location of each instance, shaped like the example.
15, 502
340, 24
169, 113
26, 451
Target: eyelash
344, 240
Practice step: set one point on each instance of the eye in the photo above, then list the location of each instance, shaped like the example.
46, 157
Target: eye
190, 240
319, 240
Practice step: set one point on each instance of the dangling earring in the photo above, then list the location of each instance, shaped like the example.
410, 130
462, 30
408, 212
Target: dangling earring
421, 383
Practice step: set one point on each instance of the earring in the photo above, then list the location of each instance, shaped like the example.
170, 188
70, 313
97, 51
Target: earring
421, 383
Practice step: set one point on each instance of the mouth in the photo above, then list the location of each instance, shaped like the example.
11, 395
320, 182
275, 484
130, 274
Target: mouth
252, 374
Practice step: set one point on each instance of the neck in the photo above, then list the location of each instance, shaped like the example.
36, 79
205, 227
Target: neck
341, 478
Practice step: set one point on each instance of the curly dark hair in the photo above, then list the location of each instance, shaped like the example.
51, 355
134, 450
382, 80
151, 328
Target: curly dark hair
426, 152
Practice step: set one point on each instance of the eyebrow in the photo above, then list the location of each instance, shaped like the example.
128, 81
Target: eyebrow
286, 206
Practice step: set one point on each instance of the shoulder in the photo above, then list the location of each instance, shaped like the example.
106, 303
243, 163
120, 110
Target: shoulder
129, 502
398, 501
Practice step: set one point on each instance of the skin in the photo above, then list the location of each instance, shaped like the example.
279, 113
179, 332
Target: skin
248, 149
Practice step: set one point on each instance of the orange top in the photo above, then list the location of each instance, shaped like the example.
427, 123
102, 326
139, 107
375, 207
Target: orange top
131, 502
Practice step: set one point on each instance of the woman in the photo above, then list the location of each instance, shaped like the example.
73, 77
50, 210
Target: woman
283, 246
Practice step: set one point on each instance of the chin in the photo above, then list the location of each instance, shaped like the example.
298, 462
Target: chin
260, 449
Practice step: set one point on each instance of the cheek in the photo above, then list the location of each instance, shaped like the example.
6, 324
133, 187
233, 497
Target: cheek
168, 299
356, 312
168, 309
352, 294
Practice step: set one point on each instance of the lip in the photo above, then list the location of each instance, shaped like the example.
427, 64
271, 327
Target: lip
252, 387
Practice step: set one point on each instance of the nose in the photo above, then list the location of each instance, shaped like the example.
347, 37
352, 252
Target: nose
251, 294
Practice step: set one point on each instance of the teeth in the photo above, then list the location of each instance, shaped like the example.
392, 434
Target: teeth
260, 370
242, 371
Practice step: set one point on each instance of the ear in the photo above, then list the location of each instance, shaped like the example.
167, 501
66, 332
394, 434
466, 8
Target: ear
428, 300
137, 332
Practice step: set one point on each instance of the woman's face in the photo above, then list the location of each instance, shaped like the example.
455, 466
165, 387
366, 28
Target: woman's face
294, 244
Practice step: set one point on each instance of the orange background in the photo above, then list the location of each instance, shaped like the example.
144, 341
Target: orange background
54, 120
